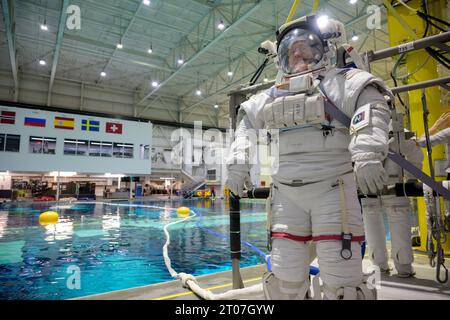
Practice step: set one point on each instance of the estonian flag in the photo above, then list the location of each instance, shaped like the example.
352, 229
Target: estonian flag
90, 125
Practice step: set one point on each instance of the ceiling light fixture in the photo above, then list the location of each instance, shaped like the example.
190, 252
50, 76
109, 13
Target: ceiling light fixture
42, 62
221, 25
146, 2
103, 74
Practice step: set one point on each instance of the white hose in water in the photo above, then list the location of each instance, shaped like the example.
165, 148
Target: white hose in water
188, 280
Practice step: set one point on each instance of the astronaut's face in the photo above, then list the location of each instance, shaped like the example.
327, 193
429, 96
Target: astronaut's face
300, 50
301, 56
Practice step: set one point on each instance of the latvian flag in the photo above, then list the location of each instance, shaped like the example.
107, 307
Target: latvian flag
112, 127
64, 123
8, 117
34, 122
90, 125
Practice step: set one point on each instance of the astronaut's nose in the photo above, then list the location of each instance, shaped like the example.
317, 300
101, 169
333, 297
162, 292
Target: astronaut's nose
298, 54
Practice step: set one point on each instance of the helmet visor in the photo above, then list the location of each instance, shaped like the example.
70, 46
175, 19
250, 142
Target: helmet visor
299, 50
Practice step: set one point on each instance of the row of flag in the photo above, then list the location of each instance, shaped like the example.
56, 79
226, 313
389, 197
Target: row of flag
9, 117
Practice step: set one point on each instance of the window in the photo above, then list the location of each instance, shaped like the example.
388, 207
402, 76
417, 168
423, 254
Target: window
128, 150
95, 148
35, 145
43, 145
211, 174
12, 143
107, 149
70, 146
82, 147
76, 147
2, 142
49, 146
122, 150
118, 150
144, 152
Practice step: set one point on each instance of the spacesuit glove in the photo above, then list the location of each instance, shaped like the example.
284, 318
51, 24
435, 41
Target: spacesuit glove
238, 180
370, 176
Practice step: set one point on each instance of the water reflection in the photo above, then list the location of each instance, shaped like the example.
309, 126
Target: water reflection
62, 230
166, 212
3, 222
111, 221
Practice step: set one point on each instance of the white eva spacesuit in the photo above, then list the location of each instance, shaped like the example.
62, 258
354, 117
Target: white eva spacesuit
314, 195
398, 214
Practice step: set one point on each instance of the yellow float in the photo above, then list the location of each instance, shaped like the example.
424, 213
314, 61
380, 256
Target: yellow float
183, 211
203, 194
48, 217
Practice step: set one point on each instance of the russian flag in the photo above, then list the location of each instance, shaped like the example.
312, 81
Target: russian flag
34, 122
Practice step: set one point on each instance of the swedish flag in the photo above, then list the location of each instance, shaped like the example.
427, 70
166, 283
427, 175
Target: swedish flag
90, 125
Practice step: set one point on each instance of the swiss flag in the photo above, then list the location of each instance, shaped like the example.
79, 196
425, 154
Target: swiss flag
112, 127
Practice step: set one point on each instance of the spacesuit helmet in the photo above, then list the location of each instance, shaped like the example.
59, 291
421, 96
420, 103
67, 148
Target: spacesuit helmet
307, 43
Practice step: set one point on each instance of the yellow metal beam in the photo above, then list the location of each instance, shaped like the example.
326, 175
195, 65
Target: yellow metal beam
293, 11
392, 11
315, 6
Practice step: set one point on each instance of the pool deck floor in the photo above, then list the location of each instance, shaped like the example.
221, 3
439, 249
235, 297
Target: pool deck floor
421, 287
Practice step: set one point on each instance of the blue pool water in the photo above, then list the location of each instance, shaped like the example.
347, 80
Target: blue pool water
116, 247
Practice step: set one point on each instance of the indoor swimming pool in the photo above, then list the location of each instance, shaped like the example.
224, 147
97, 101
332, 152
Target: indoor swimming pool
117, 247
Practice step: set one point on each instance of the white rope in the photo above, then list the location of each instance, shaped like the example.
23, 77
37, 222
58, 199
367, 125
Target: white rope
167, 261
189, 281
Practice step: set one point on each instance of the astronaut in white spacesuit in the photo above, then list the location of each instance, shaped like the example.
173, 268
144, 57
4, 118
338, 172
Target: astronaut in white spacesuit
314, 195
398, 214
439, 134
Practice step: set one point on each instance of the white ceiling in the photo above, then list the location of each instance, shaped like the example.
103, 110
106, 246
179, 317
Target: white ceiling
173, 28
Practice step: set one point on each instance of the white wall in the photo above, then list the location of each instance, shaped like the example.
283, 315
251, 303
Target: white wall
92, 97
133, 132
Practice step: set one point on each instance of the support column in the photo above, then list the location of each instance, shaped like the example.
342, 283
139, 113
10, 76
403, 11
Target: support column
58, 186
408, 28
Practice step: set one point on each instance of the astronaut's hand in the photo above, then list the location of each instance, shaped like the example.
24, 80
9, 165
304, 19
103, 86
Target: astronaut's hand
238, 180
370, 176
